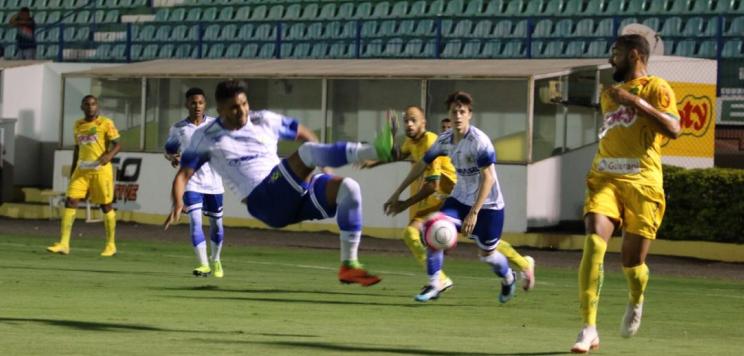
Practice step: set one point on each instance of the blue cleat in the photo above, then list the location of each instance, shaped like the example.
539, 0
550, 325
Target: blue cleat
430, 292
507, 291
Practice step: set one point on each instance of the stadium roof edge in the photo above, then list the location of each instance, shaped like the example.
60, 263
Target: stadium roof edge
342, 68
5, 64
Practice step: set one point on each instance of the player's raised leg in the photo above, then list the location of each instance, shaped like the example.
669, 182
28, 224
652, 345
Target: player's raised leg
526, 264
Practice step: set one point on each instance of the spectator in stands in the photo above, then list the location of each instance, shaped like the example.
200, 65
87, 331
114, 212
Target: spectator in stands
446, 124
25, 38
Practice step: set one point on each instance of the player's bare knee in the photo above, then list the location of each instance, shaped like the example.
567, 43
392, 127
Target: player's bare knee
71, 203
105, 208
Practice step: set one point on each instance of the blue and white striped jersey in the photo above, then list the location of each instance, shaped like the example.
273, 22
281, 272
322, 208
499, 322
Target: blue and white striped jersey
472, 153
243, 157
205, 180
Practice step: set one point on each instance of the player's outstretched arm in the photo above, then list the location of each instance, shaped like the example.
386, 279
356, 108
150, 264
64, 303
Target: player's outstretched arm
426, 190
416, 171
177, 190
486, 183
304, 134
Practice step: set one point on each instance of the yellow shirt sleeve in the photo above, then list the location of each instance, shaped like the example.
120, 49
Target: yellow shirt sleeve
662, 97
111, 132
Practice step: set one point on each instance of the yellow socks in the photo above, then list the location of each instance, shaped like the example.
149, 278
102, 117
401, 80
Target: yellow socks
590, 277
512, 255
637, 278
109, 223
412, 238
68, 218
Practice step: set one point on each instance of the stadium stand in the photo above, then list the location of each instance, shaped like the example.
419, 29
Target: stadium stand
370, 29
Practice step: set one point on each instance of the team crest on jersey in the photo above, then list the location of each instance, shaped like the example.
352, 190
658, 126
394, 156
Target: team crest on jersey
623, 116
276, 175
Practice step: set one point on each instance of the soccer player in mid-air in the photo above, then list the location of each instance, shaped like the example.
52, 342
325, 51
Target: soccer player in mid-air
624, 184
96, 144
429, 191
241, 145
203, 191
476, 203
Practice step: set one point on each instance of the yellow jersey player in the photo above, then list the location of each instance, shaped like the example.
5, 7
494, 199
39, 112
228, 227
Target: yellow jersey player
624, 185
96, 144
431, 190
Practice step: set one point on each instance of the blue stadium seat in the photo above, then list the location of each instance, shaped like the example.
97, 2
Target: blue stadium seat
82, 17
178, 15
310, 12
212, 32
369, 29
259, 13
183, 33
672, 26
294, 31
491, 49
597, 49
264, 32
471, 49
337, 29
483, 29
519, 29
276, 12
679, 7
462, 28
381, 10
573, 8
494, 8
735, 27
604, 28
563, 28
250, 51
703, 6
229, 32
208, 15
393, 48
550, 7
732, 49
513, 49
362, 11
454, 8
400, 9
327, 12
345, 11
245, 33
419, 48
693, 26
594, 8
185, 50
300, 50
574, 49
532, 8
503, 28
543, 28
406, 27
162, 34
669, 47
166, 51
447, 26
267, 51
293, 12
418, 8
320, 50
53, 16
387, 28
226, 14
473, 8
425, 27
657, 7
341, 50
725, 7
707, 49
233, 50
634, 7
584, 28
685, 48
372, 48
243, 13
711, 27
315, 31
436, 8
452, 49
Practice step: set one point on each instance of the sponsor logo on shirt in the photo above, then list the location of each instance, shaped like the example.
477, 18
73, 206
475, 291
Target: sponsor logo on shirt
619, 165
623, 116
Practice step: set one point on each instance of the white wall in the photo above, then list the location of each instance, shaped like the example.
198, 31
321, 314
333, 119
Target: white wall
153, 190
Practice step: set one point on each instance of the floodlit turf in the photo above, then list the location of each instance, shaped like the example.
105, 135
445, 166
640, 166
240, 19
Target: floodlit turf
288, 301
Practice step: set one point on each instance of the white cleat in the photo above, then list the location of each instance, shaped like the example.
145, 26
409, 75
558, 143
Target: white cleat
632, 320
588, 339
528, 276
430, 292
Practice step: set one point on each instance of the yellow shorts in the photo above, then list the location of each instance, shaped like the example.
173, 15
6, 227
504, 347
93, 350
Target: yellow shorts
98, 182
422, 209
638, 208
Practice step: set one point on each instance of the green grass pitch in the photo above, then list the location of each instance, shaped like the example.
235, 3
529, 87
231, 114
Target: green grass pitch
287, 301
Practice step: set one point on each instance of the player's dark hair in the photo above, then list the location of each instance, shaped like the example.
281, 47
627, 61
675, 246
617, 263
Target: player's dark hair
636, 42
421, 110
229, 89
25, 9
89, 96
460, 98
195, 91
446, 119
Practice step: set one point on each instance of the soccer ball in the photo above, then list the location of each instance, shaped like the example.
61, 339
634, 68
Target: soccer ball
440, 233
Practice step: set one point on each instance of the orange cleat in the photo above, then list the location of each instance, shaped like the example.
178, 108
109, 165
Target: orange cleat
349, 275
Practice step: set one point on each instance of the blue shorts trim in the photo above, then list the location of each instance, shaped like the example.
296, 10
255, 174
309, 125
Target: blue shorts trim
211, 204
488, 228
282, 198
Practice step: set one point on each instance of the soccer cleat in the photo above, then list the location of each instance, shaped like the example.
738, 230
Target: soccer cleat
430, 292
218, 272
349, 275
588, 339
202, 271
508, 290
59, 248
385, 141
528, 276
632, 320
109, 250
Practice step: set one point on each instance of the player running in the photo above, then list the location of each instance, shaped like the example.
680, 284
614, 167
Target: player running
624, 185
96, 144
428, 193
241, 145
203, 191
476, 204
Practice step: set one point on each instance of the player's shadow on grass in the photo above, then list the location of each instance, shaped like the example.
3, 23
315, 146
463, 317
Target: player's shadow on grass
115, 327
356, 348
275, 291
67, 269
316, 301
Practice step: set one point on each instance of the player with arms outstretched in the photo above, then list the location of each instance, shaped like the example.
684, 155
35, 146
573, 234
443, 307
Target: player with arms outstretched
241, 145
203, 191
476, 203
624, 185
